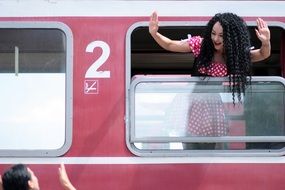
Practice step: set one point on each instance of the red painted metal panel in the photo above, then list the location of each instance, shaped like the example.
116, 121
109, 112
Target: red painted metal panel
98, 119
99, 129
166, 176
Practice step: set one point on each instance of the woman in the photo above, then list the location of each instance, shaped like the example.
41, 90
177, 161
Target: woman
224, 50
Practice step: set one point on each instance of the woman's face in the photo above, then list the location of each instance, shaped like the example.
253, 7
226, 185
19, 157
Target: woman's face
217, 37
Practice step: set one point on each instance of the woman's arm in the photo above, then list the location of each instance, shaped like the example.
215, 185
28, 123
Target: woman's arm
164, 42
64, 180
1, 184
263, 34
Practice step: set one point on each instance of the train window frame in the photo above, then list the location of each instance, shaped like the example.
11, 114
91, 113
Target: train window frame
65, 141
131, 140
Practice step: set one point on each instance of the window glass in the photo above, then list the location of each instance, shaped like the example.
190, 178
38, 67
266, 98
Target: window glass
197, 114
34, 88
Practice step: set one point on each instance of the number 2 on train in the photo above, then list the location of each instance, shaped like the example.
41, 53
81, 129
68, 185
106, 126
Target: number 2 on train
93, 71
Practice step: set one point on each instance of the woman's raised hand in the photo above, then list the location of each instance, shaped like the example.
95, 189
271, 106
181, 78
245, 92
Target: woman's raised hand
64, 180
153, 23
262, 31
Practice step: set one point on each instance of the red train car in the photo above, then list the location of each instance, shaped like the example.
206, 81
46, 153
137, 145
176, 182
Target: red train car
83, 83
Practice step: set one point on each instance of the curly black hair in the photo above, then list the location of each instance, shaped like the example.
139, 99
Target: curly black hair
237, 45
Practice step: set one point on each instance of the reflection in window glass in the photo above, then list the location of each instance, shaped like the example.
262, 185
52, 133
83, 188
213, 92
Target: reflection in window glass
32, 111
40, 50
201, 115
33, 89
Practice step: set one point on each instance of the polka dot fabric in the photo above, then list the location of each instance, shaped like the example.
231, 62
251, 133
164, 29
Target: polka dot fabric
207, 114
195, 44
216, 69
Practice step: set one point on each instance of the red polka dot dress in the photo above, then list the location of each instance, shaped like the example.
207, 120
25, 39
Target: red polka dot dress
216, 69
207, 114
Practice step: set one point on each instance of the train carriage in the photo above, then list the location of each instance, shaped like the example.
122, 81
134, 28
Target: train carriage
83, 83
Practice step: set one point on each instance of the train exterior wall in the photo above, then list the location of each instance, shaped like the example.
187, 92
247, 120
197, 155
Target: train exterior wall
99, 158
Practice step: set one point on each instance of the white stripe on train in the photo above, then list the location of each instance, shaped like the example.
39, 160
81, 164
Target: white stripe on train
31, 8
142, 160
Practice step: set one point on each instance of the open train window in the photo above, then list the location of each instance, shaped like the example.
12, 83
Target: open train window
35, 75
160, 95
147, 57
